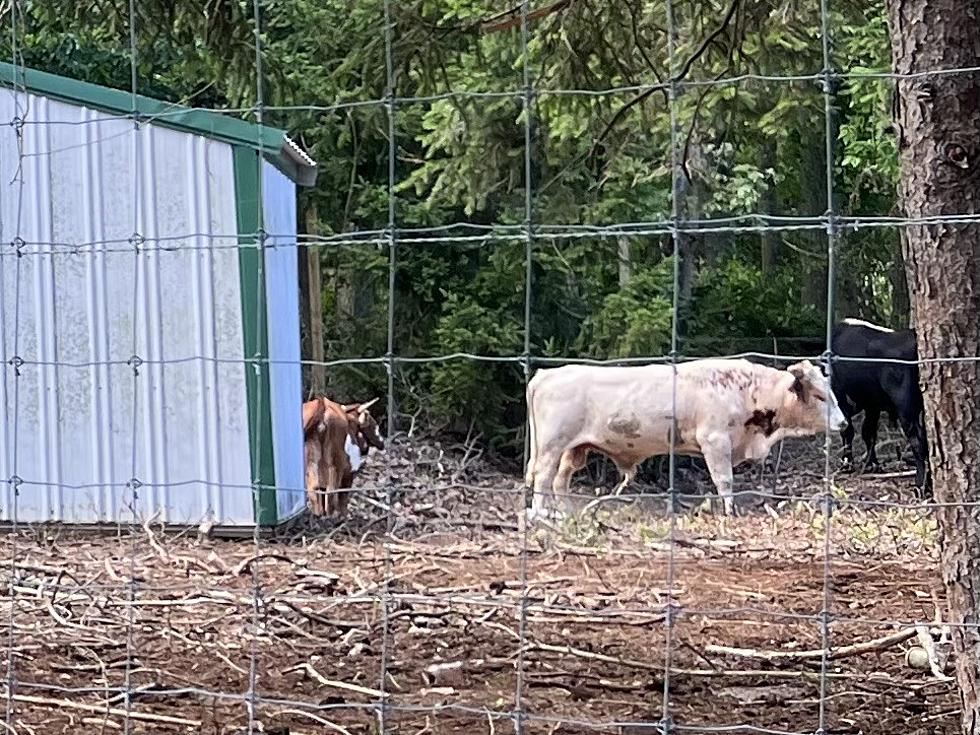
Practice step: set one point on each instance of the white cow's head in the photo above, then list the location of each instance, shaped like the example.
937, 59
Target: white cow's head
812, 403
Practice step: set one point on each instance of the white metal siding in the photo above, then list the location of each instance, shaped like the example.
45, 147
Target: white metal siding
72, 435
282, 310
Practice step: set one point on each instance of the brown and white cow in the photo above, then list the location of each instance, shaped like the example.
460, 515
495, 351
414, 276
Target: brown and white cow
727, 411
336, 438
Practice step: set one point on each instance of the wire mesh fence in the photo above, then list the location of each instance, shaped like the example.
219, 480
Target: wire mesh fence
441, 607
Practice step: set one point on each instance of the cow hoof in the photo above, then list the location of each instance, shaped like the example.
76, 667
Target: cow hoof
544, 514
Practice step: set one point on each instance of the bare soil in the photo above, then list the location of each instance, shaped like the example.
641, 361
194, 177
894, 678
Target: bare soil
480, 622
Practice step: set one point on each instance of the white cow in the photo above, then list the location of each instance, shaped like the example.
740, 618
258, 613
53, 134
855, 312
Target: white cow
727, 411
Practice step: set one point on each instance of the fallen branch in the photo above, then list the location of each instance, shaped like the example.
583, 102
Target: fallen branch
160, 551
888, 475
100, 722
246, 564
326, 723
140, 716
323, 681
833, 654
579, 653
767, 674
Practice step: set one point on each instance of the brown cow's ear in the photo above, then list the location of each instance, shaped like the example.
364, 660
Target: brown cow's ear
799, 388
353, 428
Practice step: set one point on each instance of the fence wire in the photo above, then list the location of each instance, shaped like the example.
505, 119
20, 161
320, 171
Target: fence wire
253, 695
14, 483
382, 705
528, 101
268, 612
134, 488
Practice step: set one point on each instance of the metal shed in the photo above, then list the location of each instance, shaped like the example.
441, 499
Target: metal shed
150, 335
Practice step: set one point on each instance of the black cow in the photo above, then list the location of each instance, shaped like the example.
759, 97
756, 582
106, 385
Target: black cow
873, 387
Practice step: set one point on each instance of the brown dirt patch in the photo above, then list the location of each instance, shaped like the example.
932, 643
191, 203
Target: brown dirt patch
196, 631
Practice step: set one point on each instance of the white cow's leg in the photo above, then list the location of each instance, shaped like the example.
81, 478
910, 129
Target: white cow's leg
572, 460
628, 474
717, 451
546, 467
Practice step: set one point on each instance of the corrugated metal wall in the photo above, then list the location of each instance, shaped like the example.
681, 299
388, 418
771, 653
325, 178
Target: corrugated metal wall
282, 302
72, 428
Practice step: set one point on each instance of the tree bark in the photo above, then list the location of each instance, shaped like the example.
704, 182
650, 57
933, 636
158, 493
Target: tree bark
902, 313
625, 261
304, 312
813, 287
768, 204
318, 373
938, 123
689, 204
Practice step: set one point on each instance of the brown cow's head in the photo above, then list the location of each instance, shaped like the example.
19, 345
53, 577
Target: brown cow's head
812, 402
367, 432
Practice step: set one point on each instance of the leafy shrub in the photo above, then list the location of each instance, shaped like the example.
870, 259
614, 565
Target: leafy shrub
635, 320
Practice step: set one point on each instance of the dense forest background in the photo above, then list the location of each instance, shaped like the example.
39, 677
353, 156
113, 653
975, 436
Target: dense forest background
749, 146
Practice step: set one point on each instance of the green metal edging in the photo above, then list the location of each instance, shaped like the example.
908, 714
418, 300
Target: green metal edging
272, 142
248, 203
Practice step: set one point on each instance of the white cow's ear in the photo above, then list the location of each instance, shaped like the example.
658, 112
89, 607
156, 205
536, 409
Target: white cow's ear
353, 454
798, 369
801, 382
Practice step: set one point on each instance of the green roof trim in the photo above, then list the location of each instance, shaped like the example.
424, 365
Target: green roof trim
274, 144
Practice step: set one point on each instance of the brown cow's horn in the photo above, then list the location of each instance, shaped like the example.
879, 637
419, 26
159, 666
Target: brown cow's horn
366, 406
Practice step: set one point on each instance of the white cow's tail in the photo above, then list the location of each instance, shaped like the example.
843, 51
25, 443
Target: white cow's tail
532, 453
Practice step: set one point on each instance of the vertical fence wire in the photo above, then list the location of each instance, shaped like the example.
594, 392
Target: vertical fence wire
677, 233
391, 109
260, 371
829, 85
527, 103
13, 365
135, 361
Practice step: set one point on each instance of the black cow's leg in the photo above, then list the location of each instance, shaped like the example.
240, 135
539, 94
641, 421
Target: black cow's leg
905, 395
847, 437
869, 433
916, 434
899, 449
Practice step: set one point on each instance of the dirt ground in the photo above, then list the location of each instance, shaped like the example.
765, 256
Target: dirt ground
479, 621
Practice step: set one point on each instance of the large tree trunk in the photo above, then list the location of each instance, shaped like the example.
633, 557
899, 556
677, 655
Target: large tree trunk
938, 122
813, 266
318, 373
902, 312
625, 261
